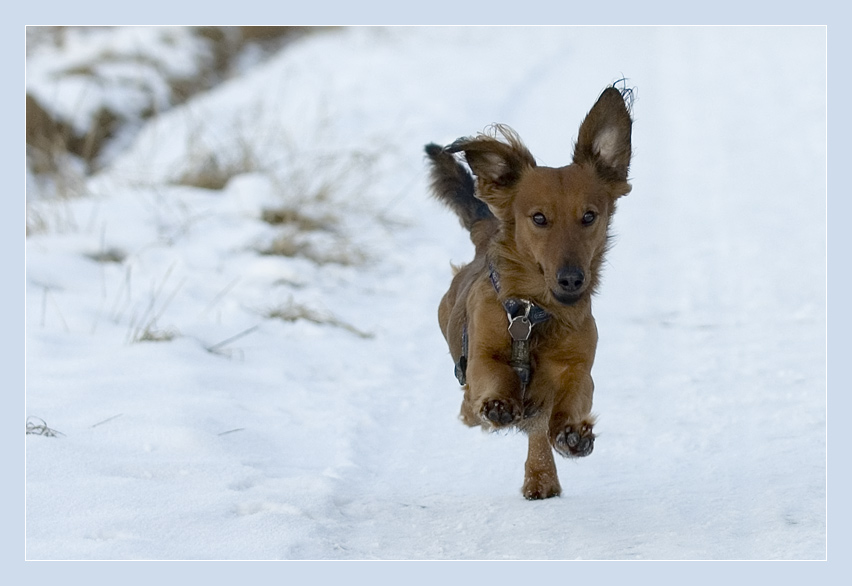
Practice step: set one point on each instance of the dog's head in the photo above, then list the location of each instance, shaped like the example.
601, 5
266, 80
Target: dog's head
555, 220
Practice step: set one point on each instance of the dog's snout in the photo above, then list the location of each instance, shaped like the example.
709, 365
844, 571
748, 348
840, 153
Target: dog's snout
570, 279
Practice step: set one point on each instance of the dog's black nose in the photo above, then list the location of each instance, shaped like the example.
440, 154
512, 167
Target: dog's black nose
570, 279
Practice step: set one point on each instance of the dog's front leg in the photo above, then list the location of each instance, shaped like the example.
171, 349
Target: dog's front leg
494, 389
570, 370
571, 422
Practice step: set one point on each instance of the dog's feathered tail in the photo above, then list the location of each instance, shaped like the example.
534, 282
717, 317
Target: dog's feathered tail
453, 185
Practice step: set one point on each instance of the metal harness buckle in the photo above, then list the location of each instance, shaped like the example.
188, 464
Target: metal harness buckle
520, 326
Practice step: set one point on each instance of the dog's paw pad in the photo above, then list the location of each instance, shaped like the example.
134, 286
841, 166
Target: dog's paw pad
575, 441
499, 413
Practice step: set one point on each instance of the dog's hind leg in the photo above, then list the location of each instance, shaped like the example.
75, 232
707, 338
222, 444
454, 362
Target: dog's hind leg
540, 478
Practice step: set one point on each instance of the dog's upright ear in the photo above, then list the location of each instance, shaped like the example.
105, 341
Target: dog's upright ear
497, 161
604, 138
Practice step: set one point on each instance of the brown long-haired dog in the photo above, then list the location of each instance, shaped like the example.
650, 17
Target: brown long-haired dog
518, 318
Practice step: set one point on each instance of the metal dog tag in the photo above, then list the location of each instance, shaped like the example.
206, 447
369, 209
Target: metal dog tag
520, 328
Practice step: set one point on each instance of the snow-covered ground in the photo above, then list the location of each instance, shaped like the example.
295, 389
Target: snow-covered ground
238, 435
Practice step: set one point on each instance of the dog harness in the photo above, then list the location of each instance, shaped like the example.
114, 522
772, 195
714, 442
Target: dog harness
522, 314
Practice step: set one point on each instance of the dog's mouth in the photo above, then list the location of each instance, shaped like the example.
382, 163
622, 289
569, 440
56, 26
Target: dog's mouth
567, 298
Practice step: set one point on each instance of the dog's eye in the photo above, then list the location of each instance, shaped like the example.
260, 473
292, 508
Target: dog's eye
539, 219
589, 218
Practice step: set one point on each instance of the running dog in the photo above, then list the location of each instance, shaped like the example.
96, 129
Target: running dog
518, 318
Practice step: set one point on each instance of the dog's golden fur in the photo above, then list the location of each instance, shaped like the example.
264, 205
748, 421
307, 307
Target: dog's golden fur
544, 232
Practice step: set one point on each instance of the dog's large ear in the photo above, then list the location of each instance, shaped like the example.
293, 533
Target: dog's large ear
497, 162
604, 139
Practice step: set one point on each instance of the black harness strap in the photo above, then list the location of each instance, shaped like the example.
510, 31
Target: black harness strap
461, 365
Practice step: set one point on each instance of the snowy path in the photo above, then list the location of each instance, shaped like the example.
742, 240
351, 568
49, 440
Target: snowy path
312, 442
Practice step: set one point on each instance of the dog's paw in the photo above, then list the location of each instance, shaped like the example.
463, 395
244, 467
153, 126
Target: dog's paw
575, 441
500, 413
541, 487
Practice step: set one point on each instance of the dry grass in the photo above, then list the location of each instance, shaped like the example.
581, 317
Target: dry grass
319, 193
212, 166
114, 255
209, 172
317, 189
294, 241
221, 348
149, 334
37, 426
295, 245
144, 327
52, 152
52, 215
290, 216
292, 312
50, 138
